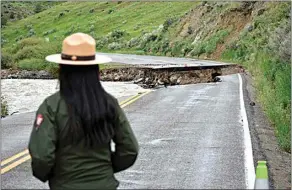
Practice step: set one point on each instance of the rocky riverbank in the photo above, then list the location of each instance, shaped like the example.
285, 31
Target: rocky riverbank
143, 76
24, 74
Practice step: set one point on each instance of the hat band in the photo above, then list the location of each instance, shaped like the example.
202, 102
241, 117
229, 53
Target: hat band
77, 58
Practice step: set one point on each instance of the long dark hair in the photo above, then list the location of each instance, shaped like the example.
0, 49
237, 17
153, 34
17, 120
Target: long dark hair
91, 110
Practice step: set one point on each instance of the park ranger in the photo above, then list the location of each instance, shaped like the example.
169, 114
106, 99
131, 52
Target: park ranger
70, 143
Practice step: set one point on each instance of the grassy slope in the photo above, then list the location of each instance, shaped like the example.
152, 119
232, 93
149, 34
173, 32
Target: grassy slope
30, 52
146, 15
14, 10
272, 73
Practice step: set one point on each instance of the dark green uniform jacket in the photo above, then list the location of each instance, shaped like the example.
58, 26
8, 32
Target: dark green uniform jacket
68, 167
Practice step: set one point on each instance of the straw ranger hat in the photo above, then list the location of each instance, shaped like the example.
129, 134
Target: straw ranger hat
78, 49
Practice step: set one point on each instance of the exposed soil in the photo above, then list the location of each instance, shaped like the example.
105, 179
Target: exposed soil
24, 74
143, 76
264, 142
235, 19
203, 21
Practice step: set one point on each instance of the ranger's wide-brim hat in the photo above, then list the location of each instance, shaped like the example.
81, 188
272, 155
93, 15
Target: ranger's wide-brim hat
78, 49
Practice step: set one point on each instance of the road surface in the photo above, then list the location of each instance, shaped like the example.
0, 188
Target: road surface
191, 136
158, 60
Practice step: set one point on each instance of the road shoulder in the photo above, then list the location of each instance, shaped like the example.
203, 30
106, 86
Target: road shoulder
264, 142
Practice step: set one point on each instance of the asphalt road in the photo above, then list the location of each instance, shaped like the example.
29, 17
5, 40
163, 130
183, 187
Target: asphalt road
158, 60
16, 130
190, 137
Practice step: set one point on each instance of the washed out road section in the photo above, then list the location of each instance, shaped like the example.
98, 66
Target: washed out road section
158, 60
190, 137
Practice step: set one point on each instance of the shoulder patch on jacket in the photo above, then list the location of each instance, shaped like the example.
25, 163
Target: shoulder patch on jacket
38, 121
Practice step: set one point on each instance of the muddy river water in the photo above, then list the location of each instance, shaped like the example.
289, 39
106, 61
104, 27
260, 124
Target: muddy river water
25, 95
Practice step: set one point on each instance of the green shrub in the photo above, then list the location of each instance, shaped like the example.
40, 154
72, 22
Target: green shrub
12, 16
49, 32
19, 38
35, 48
3, 41
210, 47
147, 38
31, 33
30, 42
4, 107
280, 41
178, 48
31, 64
38, 8
116, 34
52, 68
7, 60
210, 44
187, 48
91, 28
197, 50
237, 54
28, 26
33, 41
29, 52
134, 42
70, 31
4, 20
154, 48
164, 46
101, 42
35, 64
61, 14
168, 22
115, 46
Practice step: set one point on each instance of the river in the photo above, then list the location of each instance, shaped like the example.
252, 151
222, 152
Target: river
25, 95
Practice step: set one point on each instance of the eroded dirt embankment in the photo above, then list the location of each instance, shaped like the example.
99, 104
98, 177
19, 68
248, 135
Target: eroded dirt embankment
149, 77
144, 76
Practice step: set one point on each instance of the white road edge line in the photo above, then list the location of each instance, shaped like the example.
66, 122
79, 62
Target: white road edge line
248, 155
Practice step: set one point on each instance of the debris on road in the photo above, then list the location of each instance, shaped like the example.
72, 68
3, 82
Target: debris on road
148, 77
252, 103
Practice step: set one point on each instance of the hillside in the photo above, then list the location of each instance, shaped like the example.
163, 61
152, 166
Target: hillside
15, 10
97, 18
116, 20
254, 34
